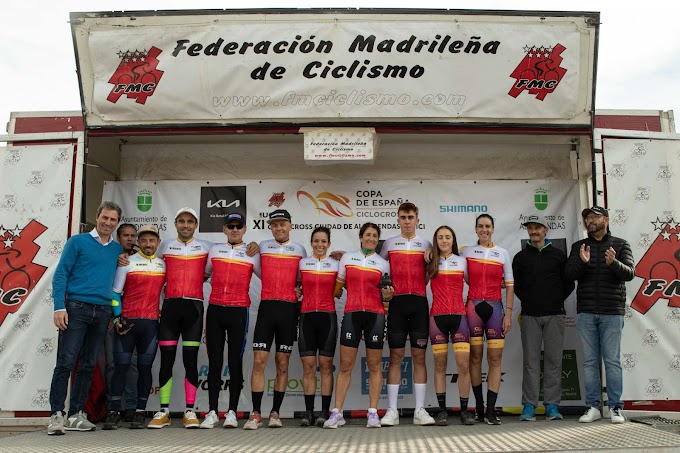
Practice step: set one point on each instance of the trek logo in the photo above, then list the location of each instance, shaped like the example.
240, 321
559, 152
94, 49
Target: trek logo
539, 72
217, 202
136, 76
18, 273
660, 267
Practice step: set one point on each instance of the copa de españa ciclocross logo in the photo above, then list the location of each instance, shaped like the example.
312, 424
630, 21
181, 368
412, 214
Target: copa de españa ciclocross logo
539, 73
137, 75
329, 203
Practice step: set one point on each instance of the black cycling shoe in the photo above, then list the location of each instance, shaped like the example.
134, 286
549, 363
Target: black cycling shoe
307, 419
442, 418
491, 417
479, 415
322, 418
466, 418
128, 415
138, 421
111, 421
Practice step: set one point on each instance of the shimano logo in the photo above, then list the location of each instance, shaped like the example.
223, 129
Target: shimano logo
463, 208
223, 204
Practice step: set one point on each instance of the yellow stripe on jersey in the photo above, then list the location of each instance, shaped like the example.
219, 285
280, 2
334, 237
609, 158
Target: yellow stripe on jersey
478, 260
184, 257
450, 272
230, 261
317, 272
495, 344
440, 348
151, 274
461, 347
277, 255
363, 268
407, 252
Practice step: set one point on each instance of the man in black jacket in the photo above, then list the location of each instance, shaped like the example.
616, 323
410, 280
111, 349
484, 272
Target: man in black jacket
541, 288
602, 264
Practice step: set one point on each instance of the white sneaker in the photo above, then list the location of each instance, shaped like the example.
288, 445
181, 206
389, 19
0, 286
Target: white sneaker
230, 420
56, 426
421, 417
391, 417
210, 419
617, 415
591, 414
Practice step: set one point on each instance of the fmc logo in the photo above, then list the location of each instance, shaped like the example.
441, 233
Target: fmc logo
136, 76
660, 267
539, 72
18, 273
329, 203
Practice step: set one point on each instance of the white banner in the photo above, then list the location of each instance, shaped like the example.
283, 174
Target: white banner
226, 68
35, 187
344, 207
643, 183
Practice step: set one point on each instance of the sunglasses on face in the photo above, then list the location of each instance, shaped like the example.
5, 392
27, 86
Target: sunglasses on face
234, 226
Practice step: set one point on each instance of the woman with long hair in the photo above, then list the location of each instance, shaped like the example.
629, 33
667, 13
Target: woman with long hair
489, 270
361, 272
448, 321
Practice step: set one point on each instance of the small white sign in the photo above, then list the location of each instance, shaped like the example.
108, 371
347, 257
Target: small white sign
341, 145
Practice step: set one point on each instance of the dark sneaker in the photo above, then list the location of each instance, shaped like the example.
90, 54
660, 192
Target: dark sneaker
111, 421
128, 415
466, 418
442, 418
479, 415
322, 418
307, 419
491, 417
138, 421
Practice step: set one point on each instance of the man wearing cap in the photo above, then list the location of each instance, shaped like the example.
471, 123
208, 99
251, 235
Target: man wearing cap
277, 315
227, 317
542, 289
136, 320
602, 264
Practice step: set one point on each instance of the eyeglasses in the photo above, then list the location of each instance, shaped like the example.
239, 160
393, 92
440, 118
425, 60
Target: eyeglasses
233, 226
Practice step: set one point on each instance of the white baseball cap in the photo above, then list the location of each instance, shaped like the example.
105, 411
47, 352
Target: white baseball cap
187, 210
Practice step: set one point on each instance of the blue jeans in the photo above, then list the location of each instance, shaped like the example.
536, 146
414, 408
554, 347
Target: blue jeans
130, 388
83, 337
601, 340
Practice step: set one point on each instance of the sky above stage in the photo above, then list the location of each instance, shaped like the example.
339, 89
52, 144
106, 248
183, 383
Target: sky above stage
638, 66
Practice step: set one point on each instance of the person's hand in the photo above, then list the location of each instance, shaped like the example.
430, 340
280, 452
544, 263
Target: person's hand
507, 322
252, 249
585, 253
387, 293
427, 256
337, 255
338, 293
298, 292
609, 256
123, 260
61, 319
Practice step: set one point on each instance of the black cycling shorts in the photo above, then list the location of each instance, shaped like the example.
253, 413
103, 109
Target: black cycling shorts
408, 316
368, 324
183, 317
318, 332
276, 319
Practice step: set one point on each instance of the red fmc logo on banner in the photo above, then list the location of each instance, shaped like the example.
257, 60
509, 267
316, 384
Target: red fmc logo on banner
539, 72
18, 273
136, 76
660, 267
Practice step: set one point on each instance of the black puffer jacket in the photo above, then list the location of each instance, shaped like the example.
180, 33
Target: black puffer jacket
601, 289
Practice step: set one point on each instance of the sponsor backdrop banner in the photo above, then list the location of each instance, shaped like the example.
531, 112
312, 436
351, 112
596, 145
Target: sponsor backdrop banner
34, 218
244, 68
344, 207
643, 174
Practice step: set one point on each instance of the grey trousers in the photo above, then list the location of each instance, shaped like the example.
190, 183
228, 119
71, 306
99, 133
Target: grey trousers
548, 331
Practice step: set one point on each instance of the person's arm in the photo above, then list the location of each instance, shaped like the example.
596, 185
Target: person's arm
340, 279
567, 285
208, 265
575, 267
509, 280
118, 285
622, 263
61, 274
252, 249
517, 275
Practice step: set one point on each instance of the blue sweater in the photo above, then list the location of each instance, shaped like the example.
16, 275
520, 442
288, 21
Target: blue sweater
85, 271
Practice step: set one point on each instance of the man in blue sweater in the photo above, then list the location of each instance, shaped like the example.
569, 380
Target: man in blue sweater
82, 289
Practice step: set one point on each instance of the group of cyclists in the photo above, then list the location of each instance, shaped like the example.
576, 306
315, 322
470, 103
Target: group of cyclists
385, 297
